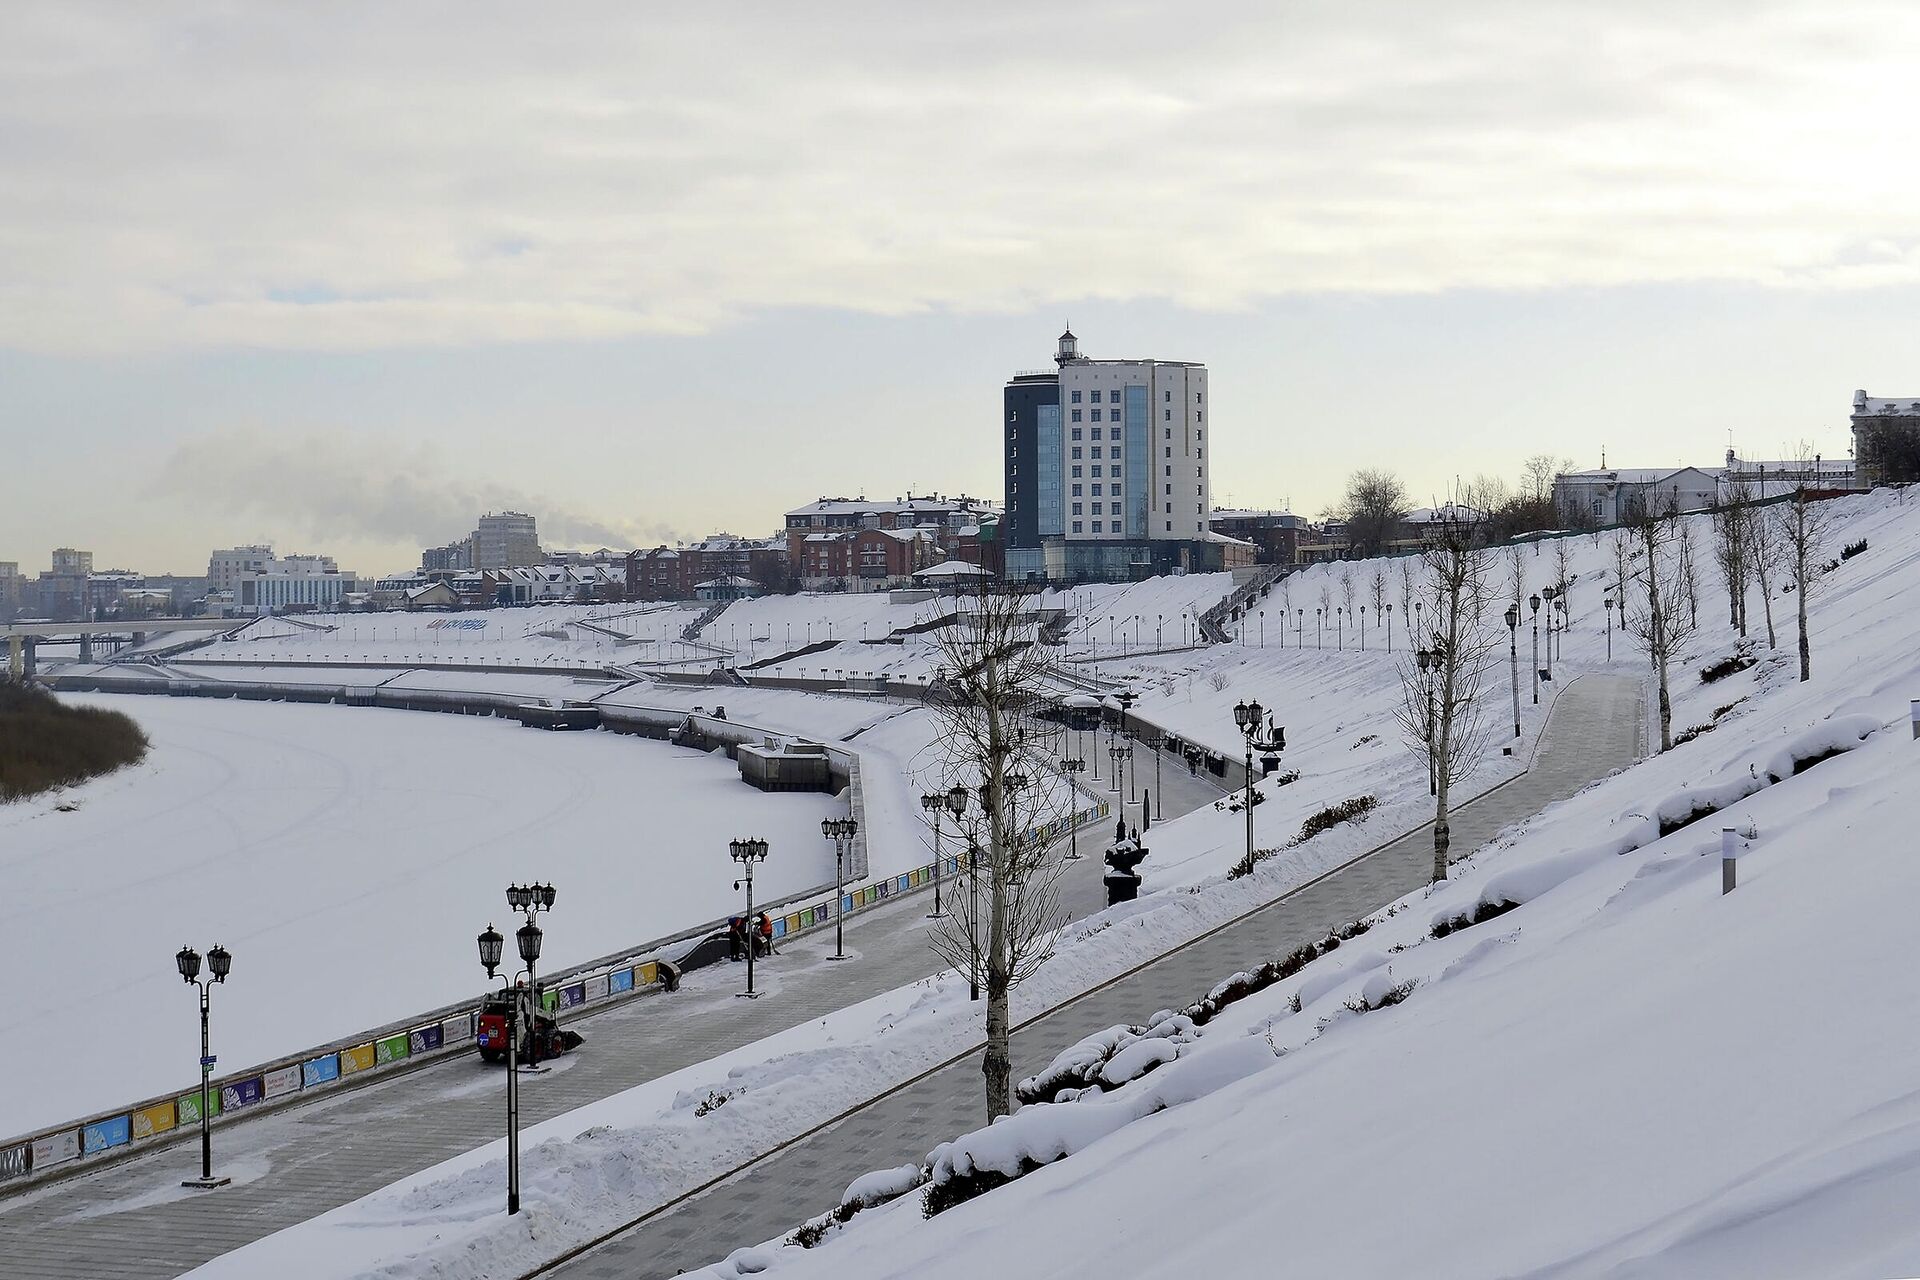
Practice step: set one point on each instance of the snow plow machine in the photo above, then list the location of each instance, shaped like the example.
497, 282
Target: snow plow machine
540, 1036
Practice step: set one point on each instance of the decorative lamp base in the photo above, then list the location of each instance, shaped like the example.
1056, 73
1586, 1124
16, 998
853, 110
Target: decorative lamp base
206, 1184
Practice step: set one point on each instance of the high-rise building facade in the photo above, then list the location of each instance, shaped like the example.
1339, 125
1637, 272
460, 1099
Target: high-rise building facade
226, 567
505, 541
1106, 469
68, 562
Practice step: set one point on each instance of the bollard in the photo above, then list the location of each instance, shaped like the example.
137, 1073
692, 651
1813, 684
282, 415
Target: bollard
1726, 860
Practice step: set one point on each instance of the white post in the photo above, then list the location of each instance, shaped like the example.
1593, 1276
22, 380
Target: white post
1727, 855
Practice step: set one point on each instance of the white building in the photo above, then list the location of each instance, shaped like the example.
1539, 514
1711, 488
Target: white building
1107, 473
294, 589
1610, 495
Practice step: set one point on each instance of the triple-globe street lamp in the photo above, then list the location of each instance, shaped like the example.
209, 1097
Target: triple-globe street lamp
1257, 727
748, 852
842, 831
492, 945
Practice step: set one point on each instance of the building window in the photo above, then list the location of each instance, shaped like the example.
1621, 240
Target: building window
1096, 491
1169, 396
1198, 416
1076, 451
1169, 511
1076, 491
1169, 526
1076, 397
1097, 453
1076, 527
1076, 473
1076, 508
1096, 526
1115, 493
1076, 412
1169, 415
1096, 396
1199, 397
1099, 433
1076, 433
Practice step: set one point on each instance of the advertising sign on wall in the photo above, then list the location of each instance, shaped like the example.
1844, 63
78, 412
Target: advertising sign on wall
157, 1118
14, 1161
358, 1058
392, 1049
56, 1148
188, 1106
285, 1080
620, 980
241, 1093
423, 1039
106, 1133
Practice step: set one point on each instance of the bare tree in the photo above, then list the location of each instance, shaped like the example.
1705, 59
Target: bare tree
1347, 594
1803, 528
1764, 547
1689, 578
1658, 618
1373, 506
1406, 603
1516, 577
1731, 523
1440, 712
994, 680
1377, 590
1537, 475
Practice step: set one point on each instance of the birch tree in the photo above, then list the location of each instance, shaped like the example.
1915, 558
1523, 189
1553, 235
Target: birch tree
1440, 712
1803, 533
1763, 540
1657, 616
993, 682
1730, 551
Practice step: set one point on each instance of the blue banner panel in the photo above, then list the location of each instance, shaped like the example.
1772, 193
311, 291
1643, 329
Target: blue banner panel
620, 980
421, 1039
319, 1071
575, 994
106, 1133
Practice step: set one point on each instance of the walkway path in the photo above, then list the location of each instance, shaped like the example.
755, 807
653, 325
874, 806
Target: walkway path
1595, 728
132, 1220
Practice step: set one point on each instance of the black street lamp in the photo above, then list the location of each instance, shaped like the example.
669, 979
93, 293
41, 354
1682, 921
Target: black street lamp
1547, 594
973, 920
1533, 601
219, 962
935, 803
1073, 769
1429, 661
1513, 655
491, 948
746, 853
1158, 801
1606, 607
530, 900
1258, 729
841, 831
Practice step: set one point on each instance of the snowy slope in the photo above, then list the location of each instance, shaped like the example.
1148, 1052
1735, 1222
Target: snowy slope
1626, 1073
347, 856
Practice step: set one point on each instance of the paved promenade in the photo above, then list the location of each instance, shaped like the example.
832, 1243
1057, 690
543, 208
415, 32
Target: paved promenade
132, 1221
1595, 728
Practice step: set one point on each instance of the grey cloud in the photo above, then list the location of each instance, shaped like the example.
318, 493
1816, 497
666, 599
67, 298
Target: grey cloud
341, 488
346, 176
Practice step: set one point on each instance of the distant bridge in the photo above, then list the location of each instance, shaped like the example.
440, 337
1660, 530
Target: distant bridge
21, 636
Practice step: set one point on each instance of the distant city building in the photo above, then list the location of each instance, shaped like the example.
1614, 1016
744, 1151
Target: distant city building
13, 588
506, 540
455, 557
675, 573
1106, 469
823, 532
1886, 438
295, 583
1275, 535
1610, 495
68, 562
1771, 479
226, 568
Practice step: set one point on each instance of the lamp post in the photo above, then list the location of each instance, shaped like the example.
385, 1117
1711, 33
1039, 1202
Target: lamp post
841, 831
746, 853
491, 946
1547, 594
1250, 718
1158, 744
1129, 773
1560, 606
219, 962
973, 920
935, 803
1533, 601
1606, 607
530, 900
1513, 655
1263, 628
1428, 660
1073, 769
1363, 627
1319, 616
1299, 626
1389, 628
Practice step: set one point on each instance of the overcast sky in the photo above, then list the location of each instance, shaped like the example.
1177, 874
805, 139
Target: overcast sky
340, 276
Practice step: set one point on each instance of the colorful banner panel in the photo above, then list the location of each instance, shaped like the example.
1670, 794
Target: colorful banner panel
56, 1148
392, 1049
424, 1039
106, 1133
280, 1082
320, 1071
358, 1058
158, 1118
188, 1105
241, 1093
597, 987
620, 980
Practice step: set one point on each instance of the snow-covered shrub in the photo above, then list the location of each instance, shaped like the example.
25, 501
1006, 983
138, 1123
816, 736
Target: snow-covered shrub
1379, 992
1479, 914
1108, 1059
1333, 815
1732, 664
1688, 735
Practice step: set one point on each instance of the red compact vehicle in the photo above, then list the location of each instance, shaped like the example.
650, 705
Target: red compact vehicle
544, 1035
